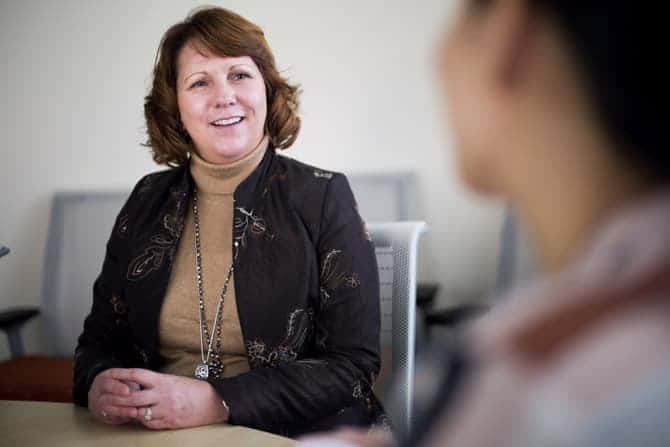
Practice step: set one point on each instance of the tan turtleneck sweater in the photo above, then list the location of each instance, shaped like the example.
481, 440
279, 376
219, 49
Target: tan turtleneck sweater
179, 325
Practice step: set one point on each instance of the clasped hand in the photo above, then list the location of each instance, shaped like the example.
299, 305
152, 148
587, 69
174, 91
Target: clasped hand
156, 400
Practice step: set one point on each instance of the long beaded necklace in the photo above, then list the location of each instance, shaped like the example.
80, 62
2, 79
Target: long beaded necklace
202, 370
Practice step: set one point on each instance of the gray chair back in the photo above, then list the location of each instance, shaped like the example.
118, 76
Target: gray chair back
80, 225
384, 197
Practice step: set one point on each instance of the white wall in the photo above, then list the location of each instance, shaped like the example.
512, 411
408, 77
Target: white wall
74, 74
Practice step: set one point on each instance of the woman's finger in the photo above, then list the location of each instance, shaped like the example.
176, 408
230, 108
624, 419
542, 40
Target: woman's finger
144, 398
151, 417
120, 411
112, 386
133, 386
143, 377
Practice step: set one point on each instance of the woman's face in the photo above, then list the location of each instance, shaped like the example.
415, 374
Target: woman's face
222, 103
465, 75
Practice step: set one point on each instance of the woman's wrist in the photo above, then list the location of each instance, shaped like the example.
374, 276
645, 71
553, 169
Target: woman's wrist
218, 404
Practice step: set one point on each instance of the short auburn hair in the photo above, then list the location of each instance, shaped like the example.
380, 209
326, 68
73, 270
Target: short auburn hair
223, 33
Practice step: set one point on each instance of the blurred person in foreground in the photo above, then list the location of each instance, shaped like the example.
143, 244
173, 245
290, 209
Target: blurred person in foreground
239, 285
556, 105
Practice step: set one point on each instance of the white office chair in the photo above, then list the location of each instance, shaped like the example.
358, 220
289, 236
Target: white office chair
396, 249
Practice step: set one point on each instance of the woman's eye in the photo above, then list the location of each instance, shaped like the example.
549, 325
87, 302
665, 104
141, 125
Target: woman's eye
239, 76
199, 83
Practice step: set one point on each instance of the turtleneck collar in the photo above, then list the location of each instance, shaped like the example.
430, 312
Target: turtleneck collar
211, 178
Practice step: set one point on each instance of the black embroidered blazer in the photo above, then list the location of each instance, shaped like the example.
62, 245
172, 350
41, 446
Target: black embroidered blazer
307, 293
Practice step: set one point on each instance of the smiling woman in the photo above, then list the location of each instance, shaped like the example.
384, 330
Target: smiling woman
222, 103
212, 67
212, 304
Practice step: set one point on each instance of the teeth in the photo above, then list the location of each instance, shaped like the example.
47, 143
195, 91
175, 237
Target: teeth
228, 122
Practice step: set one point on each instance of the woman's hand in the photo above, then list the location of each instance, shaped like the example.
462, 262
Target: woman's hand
102, 397
167, 401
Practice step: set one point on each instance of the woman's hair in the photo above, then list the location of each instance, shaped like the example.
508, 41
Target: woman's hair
620, 61
222, 33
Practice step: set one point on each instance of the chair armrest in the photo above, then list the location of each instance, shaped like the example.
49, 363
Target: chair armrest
425, 295
11, 321
16, 316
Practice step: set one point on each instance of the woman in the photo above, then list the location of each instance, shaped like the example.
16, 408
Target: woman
238, 286
556, 106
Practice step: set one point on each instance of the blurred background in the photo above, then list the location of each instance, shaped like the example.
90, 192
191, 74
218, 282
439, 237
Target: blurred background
75, 74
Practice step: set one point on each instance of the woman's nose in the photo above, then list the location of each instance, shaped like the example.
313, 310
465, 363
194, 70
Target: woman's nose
225, 95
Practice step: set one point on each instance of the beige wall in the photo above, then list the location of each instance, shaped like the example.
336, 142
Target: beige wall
74, 76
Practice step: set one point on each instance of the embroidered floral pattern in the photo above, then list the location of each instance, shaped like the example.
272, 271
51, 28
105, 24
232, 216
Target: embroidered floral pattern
120, 310
297, 330
122, 227
245, 223
118, 305
150, 260
363, 392
353, 281
332, 279
163, 245
323, 174
358, 391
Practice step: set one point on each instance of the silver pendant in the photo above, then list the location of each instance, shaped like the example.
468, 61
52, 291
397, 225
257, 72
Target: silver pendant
202, 371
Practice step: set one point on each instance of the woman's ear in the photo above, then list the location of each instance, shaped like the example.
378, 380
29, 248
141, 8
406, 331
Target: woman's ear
509, 40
